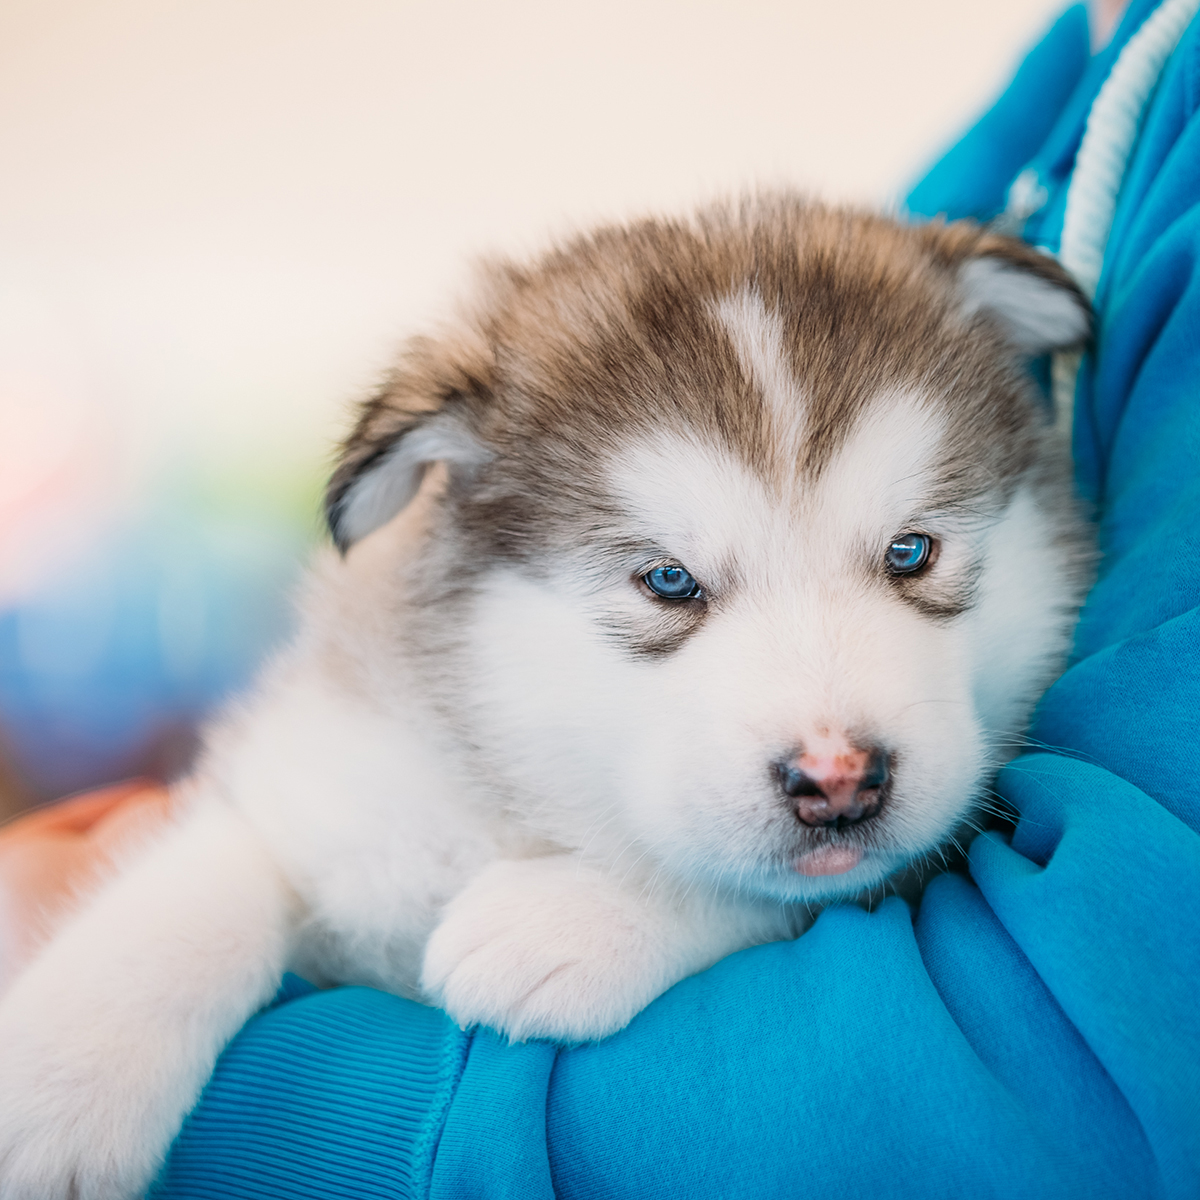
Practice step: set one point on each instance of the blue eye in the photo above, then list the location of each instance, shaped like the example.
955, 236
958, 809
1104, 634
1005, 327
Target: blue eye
671, 583
908, 553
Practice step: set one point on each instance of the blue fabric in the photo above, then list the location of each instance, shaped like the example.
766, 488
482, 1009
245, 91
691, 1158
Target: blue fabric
385, 1068
1034, 1033
971, 179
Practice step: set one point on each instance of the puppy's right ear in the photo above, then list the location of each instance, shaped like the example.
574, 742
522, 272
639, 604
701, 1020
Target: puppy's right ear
422, 415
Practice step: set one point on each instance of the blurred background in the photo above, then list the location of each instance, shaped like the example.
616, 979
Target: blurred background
219, 218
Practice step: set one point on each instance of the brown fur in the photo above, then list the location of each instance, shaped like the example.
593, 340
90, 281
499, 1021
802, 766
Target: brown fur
613, 333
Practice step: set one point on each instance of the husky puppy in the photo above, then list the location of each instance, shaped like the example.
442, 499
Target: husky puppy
705, 573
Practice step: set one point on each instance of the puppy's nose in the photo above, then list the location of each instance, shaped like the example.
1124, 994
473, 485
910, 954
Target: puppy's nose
836, 788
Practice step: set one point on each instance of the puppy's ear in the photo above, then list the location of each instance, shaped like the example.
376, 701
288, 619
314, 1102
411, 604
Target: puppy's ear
1034, 302
423, 414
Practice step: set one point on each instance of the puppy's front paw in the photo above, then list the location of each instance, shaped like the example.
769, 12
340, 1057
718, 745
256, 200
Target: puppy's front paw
58, 1142
547, 949
82, 1115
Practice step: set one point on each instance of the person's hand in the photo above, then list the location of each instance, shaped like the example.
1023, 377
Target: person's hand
51, 855
1103, 18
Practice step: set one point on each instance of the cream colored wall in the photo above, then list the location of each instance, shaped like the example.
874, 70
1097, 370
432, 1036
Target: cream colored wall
218, 216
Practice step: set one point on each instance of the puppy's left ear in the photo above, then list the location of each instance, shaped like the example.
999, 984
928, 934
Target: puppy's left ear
424, 413
1037, 306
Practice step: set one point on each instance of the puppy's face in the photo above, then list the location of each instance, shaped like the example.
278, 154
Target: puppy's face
752, 563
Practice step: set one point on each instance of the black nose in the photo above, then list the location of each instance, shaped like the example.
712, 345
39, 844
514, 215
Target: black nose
836, 791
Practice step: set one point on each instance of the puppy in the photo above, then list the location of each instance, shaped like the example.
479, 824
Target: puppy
704, 574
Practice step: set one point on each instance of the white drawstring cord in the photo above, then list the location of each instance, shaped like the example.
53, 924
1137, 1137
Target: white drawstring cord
1108, 140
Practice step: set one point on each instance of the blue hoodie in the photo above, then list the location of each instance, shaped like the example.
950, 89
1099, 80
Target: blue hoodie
1035, 1032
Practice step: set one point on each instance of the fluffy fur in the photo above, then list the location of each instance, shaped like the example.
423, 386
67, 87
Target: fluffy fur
494, 770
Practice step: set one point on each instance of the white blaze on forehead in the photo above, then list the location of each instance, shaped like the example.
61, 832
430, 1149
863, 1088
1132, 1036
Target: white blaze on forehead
885, 470
758, 339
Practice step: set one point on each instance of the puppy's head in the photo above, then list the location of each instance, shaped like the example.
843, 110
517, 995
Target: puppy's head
755, 551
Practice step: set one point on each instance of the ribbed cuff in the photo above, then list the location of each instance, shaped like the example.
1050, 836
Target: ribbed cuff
339, 1094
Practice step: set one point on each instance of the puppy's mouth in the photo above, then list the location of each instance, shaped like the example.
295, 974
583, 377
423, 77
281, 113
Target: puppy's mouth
829, 860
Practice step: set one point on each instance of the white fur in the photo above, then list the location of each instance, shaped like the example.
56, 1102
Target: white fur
628, 832
801, 650
109, 1036
525, 942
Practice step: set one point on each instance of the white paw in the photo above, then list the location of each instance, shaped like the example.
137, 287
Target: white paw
549, 949
80, 1118
60, 1142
